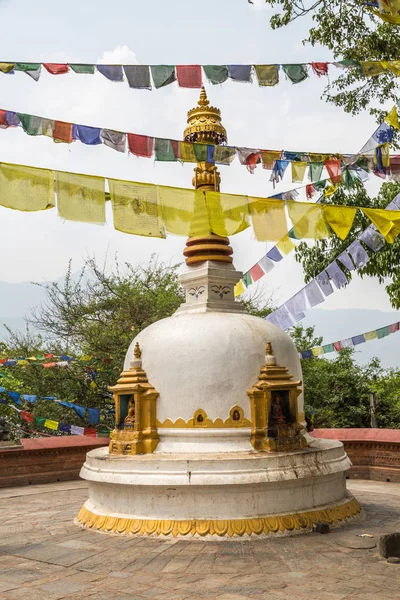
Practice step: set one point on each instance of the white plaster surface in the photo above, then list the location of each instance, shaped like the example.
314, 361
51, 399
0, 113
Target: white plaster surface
205, 440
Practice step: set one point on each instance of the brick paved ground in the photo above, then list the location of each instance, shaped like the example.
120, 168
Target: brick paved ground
44, 556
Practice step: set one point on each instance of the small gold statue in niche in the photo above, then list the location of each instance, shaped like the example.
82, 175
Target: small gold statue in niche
129, 421
274, 412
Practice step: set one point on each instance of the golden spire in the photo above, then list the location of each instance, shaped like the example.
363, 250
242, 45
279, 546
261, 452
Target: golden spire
205, 127
137, 353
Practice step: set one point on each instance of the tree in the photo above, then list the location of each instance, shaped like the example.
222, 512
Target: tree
351, 31
382, 264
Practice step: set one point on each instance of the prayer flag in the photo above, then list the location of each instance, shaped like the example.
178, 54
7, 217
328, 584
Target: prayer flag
340, 218
383, 134
274, 254
135, 208
31, 69
94, 416
31, 125
278, 170
370, 335
64, 427
336, 275
239, 72
306, 354
298, 171
186, 152
165, 150
162, 75
83, 69
374, 240
201, 152
382, 332
358, 339
48, 127
296, 73
56, 69
90, 432
27, 416
26, 188
393, 66
12, 118
224, 155
114, 139
328, 348
184, 211
268, 158
358, 254
346, 261
138, 76
313, 293
297, 305
318, 351
112, 72
88, 135
229, 214
249, 157
80, 198
372, 68
77, 430
281, 317
386, 221
15, 397
394, 327
285, 245
347, 343
51, 424
29, 397
308, 220
256, 272
333, 168
267, 75
3, 119
247, 279
140, 145
189, 76
216, 73
337, 346
6, 67
39, 421
392, 118
266, 264
239, 289
62, 132
320, 68
315, 171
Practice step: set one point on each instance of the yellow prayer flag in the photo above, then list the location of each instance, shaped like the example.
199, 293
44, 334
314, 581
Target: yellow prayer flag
386, 221
308, 220
371, 335
239, 289
319, 157
286, 245
268, 157
330, 189
393, 118
6, 67
269, 219
22, 362
340, 218
184, 211
372, 68
393, 66
135, 208
317, 351
26, 188
187, 152
51, 424
229, 213
385, 149
298, 170
81, 198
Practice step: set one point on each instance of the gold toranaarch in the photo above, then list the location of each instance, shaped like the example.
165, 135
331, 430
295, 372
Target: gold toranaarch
268, 525
200, 419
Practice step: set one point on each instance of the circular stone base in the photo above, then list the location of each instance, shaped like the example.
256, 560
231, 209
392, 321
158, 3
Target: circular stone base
232, 494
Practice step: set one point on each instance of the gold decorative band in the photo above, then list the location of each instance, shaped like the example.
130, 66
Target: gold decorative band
262, 525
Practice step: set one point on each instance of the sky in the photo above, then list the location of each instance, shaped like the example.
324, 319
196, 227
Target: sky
287, 116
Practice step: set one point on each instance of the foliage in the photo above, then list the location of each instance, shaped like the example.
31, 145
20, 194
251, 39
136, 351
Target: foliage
382, 264
350, 30
339, 389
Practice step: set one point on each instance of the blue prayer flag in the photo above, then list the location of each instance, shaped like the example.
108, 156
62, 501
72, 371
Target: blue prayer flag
94, 416
358, 339
274, 254
91, 137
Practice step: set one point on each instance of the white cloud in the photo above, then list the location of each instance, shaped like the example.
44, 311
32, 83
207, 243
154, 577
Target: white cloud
121, 55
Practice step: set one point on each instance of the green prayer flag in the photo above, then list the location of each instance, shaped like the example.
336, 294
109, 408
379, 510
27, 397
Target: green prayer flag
200, 152
382, 332
39, 421
319, 185
162, 75
247, 279
328, 348
315, 171
216, 73
267, 75
296, 73
164, 150
292, 235
350, 63
31, 125
349, 178
88, 69
27, 66
224, 155
40, 357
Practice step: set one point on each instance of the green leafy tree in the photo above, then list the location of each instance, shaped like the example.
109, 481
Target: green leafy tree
382, 264
351, 31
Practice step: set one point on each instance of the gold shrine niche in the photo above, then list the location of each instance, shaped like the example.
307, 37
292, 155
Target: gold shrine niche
135, 411
274, 409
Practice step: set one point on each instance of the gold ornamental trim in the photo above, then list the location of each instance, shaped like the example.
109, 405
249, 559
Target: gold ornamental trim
200, 419
237, 527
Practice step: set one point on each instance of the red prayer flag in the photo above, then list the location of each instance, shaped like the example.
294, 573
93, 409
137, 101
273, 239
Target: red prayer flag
256, 272
189, 76
310, 191
27, 416
140, 145
333, 168
320, 68
3, 360
56, 68
90, 432
251, 161
176, 147
48, 355
50, 364
3, 120
393, 328
62, 132
337, 346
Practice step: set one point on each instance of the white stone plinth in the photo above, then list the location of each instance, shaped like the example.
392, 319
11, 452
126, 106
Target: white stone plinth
217, 494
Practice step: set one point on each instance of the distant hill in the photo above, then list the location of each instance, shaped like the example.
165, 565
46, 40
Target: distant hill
17, 298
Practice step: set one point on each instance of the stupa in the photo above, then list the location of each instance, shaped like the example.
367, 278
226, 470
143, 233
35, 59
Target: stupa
210, 436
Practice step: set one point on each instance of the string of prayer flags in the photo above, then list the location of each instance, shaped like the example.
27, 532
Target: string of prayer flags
349, 342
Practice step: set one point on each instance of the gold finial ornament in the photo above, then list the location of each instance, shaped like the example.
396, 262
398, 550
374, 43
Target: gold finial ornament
205, 127
137, 353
